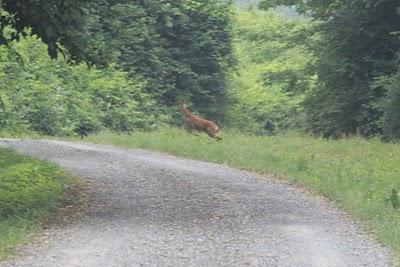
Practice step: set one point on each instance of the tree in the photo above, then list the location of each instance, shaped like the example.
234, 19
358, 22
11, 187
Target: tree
389, 104
274, 71
357, 45
181, 48
54, 21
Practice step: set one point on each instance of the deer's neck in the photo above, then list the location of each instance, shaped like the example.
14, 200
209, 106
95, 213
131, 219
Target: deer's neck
186, 112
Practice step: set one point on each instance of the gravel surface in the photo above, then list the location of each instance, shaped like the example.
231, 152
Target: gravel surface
151, 209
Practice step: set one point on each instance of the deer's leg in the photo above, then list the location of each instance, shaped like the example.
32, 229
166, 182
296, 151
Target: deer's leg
191, 130
193, 133
219, 139
214, 136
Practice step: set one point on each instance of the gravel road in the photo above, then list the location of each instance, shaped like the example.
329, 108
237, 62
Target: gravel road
151, 209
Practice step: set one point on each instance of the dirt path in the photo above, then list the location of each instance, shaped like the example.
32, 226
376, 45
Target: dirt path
151, 209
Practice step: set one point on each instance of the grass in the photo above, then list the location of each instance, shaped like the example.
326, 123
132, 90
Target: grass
363, 176
29, 190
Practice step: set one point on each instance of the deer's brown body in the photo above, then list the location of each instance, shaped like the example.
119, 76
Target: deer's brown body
199, 124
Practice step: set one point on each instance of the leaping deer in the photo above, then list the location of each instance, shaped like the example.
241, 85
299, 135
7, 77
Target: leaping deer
199, 124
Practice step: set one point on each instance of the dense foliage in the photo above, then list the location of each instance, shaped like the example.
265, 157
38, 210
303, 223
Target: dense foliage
177, 50
333, 71
181, 48
358, 43
53, 21
54, 98
389, 105
149, 56
273, 73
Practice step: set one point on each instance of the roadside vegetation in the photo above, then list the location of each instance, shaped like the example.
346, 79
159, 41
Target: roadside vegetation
29, 190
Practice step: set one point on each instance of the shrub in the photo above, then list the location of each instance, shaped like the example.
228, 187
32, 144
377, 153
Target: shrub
52, 97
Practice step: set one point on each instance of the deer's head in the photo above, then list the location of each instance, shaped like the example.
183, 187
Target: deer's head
183, 107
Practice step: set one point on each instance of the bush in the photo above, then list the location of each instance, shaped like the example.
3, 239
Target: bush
54, 98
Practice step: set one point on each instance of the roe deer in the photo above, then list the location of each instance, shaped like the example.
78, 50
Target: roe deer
199, 124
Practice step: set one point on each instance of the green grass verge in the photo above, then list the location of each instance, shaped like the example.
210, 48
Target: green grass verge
29, 190
361, 175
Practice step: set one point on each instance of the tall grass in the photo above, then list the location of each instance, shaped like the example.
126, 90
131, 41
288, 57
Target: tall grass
29, 190
362, 175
